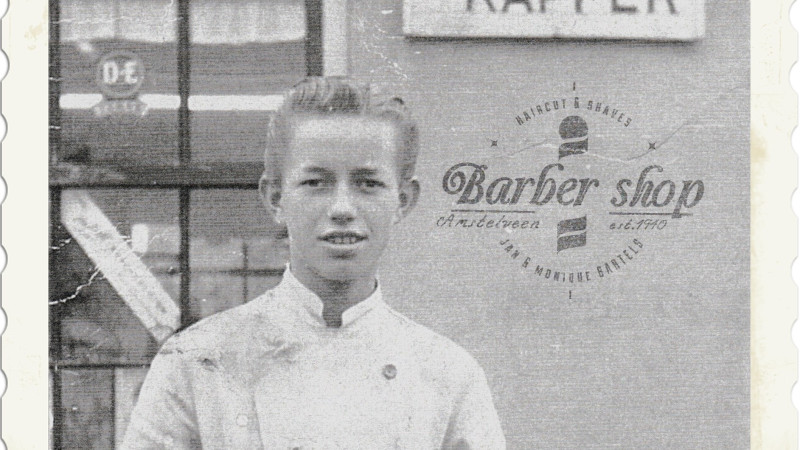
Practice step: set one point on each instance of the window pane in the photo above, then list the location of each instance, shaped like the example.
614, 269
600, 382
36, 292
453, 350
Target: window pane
249, 47
229, 136
114, 275
237, 251
87, 409
258, 284
50, 408
119, 81
244, 53
212, 293
127, 383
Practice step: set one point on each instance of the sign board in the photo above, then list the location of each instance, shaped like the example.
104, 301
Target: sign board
120, 75
112, 254
682, 20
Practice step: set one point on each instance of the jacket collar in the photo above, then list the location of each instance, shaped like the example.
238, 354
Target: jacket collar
310, 305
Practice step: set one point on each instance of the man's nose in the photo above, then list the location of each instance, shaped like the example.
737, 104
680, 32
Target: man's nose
342, 208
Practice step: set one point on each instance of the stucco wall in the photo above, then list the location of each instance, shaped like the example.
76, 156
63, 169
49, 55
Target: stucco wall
654, 355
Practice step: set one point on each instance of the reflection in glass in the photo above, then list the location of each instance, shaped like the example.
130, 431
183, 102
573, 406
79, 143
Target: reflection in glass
244, 54
114, 286
87, 409
127, 383
124, 46
237, 251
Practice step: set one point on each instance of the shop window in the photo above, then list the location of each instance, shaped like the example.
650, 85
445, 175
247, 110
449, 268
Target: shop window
158, 112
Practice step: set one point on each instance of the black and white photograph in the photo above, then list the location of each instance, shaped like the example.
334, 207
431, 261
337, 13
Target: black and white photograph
410, 224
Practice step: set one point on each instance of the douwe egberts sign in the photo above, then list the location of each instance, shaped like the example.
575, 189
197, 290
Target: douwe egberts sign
593, 19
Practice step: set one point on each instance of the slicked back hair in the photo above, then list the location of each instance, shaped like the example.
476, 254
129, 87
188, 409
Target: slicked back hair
332, 96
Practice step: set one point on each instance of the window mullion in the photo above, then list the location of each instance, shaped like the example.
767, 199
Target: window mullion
184, 68
54, 128
184, 155
314, 38
185, 198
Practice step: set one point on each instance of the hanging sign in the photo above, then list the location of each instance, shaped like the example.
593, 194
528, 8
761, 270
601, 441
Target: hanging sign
592, 19
120, 265
120, 75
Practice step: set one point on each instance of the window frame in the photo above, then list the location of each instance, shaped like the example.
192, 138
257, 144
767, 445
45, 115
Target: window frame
325, 54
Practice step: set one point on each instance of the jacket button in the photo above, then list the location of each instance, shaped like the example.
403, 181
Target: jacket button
389, 371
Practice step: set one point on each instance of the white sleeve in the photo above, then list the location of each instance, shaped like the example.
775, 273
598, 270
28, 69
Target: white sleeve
474, 423
164, 415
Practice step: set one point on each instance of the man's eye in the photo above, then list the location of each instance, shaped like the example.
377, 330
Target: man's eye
370, 184
311, 183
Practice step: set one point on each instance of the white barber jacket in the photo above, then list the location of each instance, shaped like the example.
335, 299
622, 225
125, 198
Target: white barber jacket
270, 374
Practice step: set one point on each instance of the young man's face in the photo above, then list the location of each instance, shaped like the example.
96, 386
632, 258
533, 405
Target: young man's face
341, 195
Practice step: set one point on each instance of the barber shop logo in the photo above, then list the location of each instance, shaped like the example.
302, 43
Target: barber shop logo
581, 203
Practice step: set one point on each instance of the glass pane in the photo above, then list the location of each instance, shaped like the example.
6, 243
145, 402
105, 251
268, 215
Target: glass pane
258, 284
119, 81
114, 275
229, 136
50, 406
127, 383
247, 47
236, 249
87, 409
244, 53
212, 293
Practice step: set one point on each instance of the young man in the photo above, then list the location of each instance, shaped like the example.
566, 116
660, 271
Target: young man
321, 362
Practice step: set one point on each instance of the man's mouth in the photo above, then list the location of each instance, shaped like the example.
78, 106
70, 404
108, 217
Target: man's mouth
343, 238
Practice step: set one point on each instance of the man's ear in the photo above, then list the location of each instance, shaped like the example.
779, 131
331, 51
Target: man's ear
271, 196
408, 196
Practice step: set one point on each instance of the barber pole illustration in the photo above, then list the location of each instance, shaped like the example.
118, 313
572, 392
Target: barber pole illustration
574, 135
571, 233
